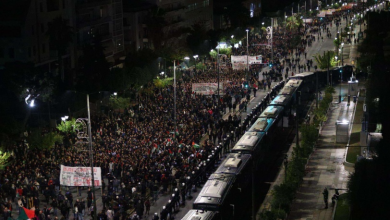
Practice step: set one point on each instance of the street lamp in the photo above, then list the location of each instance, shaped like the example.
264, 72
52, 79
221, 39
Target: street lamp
342, 55
174, 94
64, 120
341, 80
195, 57
218, 73
115, 94
247, 55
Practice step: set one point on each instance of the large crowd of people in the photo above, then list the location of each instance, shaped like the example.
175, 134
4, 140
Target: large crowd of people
142, 151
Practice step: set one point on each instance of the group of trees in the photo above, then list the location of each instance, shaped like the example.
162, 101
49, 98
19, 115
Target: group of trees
327, 60
369, 185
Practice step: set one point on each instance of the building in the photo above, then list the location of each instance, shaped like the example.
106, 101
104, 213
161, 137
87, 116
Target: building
185, 13
103, 18
23, 25
136, 33
223, 7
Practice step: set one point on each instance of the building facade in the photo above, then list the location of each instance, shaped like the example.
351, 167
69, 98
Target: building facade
26, 21
136, 32
185, 13
23, 37
103, 18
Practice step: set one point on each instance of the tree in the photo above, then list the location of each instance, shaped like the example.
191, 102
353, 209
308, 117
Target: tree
141, 67
40, 141
295, 41
60, 35
119, 102
162, 83
197, 39
24, 83
68, 126
156, 23
327, 60
293, 22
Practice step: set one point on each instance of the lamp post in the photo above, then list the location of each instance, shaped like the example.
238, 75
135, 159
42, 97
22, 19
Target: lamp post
218, 72
342, 55
195, 57
174, 95
91, 160
247, 56
285, 23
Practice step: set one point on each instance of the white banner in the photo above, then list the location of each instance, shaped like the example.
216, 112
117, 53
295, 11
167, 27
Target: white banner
80, 176
207, 88
239, 62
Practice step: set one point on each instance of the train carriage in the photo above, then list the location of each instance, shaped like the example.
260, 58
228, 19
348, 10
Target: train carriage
227, 185
200, 215
272, 112
214, 193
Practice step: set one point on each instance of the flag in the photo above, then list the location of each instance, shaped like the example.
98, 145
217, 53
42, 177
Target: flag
26, 214
175, 133
196, 146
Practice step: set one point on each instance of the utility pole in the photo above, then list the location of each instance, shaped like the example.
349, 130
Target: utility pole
247, 56
272, 48
91, 160
174, 94
317, 90
218, 72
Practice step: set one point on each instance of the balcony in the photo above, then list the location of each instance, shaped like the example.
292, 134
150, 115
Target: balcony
93, 21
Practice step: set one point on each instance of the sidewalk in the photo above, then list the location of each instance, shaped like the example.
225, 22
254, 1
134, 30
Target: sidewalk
325, 169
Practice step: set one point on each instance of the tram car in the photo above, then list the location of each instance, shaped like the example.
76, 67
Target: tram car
227, 187
201, 215
291, 87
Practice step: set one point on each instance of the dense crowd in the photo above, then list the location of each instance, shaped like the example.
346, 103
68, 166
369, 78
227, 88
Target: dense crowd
140, 151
